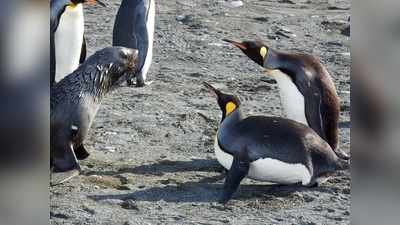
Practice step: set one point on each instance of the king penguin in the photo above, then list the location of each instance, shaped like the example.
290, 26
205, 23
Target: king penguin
272, 149
307, 92
134, 28
67, 41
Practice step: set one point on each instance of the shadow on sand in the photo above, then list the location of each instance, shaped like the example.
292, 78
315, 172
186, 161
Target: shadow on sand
165, 166
207, 189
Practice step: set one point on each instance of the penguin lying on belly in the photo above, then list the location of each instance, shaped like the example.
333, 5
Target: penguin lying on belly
269, 149
307, 92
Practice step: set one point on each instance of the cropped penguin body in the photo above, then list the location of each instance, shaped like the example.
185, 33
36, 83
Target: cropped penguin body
134, 28
269, 149
307, 92
67, 42
74, 102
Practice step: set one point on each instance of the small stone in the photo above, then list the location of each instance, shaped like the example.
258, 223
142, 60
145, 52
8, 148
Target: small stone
165, 182
112, 201
124, 188
233, 4
129, 204
89, 210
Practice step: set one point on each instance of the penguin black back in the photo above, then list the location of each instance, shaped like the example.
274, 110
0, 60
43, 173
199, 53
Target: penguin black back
272, 149
318, 106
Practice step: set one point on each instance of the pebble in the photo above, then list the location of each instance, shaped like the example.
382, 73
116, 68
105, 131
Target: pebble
112, 201
233, 4
130, 204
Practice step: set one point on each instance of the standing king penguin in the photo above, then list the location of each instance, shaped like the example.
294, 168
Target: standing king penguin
134, 28
307, 92
270, 149
67, 41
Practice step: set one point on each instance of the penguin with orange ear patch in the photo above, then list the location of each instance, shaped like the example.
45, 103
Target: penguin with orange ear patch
270, 149
307, 92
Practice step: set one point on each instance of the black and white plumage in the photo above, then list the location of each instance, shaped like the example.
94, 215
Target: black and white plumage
134, 28
270, 149
307, 92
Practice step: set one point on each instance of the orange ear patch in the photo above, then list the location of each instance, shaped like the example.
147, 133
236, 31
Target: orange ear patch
229, 108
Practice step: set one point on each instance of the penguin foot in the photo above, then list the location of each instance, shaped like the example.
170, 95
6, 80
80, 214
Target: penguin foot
341, 154
313, 184
224, 199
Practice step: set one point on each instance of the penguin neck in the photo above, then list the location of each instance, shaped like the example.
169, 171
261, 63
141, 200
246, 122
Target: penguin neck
232, 118
284, 62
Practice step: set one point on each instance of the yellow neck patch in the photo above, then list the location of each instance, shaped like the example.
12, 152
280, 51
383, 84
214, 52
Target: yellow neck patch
229, 108
263, 52
72, 6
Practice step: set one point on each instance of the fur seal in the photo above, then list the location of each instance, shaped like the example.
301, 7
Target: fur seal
74, 102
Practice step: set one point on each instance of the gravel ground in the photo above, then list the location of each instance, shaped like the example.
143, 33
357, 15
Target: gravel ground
152, 159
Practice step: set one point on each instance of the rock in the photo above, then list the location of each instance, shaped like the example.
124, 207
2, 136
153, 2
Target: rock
346, 31
112, 201
130, 204
89, 210
184, 19
285, 32
124, 188
233, 4
261, 19
287, 2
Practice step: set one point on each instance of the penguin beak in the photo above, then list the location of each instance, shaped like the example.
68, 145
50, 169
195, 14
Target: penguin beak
93, 2
237, 44
212, 89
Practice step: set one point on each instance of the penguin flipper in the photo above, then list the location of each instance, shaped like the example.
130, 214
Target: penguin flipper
310, 89
81, 153
239, 170
83, 50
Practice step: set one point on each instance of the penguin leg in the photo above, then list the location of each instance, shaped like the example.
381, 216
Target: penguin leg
239, 170
81, 153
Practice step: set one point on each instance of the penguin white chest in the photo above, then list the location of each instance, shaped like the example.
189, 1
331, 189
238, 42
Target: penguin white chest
68, 40
291, 98
150, 32
268, 169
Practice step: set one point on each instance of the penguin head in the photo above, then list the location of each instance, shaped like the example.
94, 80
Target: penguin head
255, 50
113, 65
227, 103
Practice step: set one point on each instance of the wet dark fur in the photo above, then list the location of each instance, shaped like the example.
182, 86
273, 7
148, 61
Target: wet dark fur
75, 100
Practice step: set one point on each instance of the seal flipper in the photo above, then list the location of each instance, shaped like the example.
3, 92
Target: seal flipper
66, 168
239, 170
81, 153
68, 161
